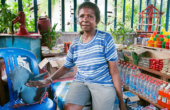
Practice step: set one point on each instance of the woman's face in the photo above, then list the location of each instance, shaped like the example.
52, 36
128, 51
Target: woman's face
87, 19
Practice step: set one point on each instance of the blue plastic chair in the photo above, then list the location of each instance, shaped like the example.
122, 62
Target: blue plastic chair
10, 58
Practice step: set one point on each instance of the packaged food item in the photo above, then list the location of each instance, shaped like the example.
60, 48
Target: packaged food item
149, 107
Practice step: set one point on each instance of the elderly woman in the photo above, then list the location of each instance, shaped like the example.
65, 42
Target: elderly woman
95, 55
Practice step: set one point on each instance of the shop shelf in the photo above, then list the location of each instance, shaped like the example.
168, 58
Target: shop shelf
153, 48
142, 97
154, 72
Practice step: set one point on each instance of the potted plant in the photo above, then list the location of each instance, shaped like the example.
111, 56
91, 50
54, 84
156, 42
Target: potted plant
50, 36
120, 33
6, 18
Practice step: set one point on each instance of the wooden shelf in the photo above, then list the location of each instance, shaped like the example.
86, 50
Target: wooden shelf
144, 98
154, 48
153, 71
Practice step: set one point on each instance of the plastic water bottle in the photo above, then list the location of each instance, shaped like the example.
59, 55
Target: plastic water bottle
137, 84
134, 83
132, 74
151, 92
124, 73
155, 89
142, 84
131, 66
156, 92
140, 76
145, 86
127, 76
124, 63
148, 87
137, 70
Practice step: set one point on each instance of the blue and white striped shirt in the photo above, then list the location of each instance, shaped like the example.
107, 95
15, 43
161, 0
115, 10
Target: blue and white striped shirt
91, 58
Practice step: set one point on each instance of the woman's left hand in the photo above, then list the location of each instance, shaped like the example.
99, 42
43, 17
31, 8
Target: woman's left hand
122, 106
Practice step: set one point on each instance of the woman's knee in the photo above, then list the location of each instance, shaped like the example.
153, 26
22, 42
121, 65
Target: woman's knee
69, 106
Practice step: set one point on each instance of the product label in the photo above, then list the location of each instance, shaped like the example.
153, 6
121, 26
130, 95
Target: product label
163, 99
168, 101
159, 97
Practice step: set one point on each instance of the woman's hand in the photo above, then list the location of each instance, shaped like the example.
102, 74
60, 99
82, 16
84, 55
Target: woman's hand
40, 83
122, 106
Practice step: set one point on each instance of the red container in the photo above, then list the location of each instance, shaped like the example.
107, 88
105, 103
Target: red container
152, 43
159, 44
66, 47
155, 32
157, 39
167, 45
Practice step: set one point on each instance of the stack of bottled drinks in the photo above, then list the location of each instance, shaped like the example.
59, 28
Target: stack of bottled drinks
153, 89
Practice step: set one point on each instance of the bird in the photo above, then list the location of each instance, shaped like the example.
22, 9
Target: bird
19, 77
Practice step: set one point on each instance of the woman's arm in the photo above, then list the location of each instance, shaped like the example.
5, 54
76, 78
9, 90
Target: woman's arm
43, 83
117, 82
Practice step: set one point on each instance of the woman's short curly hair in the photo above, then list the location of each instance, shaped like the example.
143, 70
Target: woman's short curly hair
93, 6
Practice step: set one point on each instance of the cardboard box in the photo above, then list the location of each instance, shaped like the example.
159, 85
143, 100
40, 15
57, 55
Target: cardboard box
131, 56
54, 63
130, 99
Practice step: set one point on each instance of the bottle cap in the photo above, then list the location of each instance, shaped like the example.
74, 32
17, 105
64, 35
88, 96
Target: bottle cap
156, 36
162, 39
154, 39
167, 43
157, 39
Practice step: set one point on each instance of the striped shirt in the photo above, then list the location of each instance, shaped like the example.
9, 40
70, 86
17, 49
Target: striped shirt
91, 58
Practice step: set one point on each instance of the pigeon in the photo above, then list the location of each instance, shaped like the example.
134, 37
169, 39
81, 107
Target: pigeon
19, 77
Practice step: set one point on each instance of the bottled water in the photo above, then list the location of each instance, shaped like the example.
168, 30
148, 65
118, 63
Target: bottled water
157, 87
124, 73
134, 83
127, 76
137, 84
142, 84
148, 87
132, 74
138, 70
151, 92
145, 86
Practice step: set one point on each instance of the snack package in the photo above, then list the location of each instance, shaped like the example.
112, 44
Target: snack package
150, 107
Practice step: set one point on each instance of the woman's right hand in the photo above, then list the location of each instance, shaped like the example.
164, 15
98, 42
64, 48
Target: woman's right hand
40, 83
